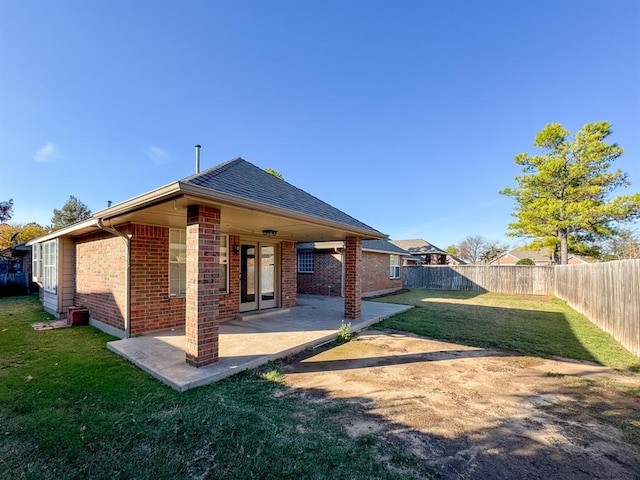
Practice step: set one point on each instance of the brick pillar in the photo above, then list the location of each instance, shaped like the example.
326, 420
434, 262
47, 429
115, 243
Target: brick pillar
203, 284
352, 277
289, 270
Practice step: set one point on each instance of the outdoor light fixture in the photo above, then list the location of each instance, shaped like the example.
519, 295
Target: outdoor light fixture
269, 233
236, 249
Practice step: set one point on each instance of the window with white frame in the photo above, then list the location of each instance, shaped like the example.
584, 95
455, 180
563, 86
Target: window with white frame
50, 266
178, 263
224, 264
394, 266
36, 262
305, 262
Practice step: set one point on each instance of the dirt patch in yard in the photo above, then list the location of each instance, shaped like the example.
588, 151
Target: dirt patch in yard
465, 412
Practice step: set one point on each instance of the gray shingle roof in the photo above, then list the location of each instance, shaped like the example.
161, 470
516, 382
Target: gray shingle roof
377, 245
243, 179
418, 246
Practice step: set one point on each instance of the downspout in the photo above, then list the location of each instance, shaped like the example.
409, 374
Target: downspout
127, 274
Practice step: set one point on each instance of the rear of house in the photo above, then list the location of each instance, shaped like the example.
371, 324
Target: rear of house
194, 253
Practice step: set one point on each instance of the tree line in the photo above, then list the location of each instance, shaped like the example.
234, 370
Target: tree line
12, 233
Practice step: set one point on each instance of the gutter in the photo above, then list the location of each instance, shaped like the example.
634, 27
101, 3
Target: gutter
127, 287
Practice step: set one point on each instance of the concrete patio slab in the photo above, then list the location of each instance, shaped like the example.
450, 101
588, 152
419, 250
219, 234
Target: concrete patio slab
248, 343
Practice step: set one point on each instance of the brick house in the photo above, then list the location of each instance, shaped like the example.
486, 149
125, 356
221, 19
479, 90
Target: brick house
540, 256
194, 253
321, 268
423, 253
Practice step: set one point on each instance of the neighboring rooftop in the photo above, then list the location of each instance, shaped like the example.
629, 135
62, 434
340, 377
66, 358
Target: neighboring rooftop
418, 246
243, 179
384, 246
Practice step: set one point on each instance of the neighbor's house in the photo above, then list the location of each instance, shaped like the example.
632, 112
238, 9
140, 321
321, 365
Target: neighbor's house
423, 253
193, 253
541, 257
321, 268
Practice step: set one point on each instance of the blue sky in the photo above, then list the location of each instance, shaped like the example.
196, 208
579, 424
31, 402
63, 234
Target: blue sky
407, 114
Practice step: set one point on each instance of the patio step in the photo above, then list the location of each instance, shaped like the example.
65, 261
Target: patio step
263, 313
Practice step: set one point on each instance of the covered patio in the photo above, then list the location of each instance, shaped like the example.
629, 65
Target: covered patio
248, 342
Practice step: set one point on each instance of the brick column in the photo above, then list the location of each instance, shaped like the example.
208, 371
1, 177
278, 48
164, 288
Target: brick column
203, 285
352, 277
289, 285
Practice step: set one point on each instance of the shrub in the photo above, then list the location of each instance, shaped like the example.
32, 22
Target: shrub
525, 261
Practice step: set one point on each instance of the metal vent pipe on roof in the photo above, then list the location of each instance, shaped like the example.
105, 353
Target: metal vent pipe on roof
198, 158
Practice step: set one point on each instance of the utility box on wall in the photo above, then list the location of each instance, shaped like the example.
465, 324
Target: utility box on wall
77, 316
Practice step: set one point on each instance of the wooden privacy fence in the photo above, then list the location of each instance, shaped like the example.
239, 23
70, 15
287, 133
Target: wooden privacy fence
521, 279
607, 293
13, 284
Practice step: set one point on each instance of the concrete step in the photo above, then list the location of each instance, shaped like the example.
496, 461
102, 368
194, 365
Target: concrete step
254, 315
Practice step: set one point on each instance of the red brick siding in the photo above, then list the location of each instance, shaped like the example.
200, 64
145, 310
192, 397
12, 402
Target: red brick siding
100, 277
375, 273
202, 322
289, 285
326, 278
328, 273
353, 277
151, 307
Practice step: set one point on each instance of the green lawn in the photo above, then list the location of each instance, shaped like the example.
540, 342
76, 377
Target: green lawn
71, 409
531, 325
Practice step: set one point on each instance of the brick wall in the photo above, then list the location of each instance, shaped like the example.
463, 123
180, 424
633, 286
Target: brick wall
100, 277
151, 307
326, 278
289, 268
375, 273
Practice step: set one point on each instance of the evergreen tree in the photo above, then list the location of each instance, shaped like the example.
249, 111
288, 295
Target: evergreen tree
566, 192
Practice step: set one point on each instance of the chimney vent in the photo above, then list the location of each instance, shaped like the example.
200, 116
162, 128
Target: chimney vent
198, 158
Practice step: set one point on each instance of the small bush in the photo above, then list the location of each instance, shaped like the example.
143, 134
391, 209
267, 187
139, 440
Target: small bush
344, 332
525, 261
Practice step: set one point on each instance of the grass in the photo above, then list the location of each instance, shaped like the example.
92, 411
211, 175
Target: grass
69, 408
531, 325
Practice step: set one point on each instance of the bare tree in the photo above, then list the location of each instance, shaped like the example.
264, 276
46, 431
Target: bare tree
472, 248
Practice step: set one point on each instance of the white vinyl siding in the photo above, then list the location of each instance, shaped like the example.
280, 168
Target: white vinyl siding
394, 266
50, 266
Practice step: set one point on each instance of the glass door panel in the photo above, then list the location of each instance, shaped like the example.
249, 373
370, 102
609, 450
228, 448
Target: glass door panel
267, 276
248, 300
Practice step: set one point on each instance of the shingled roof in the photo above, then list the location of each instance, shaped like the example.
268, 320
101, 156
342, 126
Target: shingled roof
382, 246
243, 179
418, 246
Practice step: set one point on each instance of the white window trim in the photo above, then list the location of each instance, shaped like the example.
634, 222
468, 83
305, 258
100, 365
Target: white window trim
394, 266
223, 258
224, 262
180, 259
36, 263
50, 266
308, 265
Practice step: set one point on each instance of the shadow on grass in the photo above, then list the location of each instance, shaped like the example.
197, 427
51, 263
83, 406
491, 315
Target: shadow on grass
541, 326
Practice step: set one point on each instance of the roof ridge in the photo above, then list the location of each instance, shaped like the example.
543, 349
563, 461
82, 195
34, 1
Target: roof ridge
216, 168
